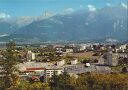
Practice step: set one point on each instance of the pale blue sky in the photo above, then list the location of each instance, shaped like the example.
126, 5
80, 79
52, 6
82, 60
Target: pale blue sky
16, 8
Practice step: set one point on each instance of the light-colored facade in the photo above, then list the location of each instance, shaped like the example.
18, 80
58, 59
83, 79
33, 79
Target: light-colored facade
111, 59
61, 63
51, 72
84, 46
73, 62
122, 47
30, 56
35, 71
69, 50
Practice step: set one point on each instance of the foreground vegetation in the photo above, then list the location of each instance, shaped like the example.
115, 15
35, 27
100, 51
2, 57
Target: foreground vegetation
89, 81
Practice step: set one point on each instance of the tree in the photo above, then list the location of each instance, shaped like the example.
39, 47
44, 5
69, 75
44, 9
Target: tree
124, 69
55, 80
9, 62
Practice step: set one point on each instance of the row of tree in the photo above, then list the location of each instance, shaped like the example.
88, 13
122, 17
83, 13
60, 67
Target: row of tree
91, 81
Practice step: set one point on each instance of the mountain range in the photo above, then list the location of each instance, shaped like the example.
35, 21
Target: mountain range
104, 24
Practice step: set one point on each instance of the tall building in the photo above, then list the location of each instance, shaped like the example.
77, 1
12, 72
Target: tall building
30, 56
111, 59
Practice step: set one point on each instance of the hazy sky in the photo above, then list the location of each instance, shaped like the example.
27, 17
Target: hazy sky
12, 8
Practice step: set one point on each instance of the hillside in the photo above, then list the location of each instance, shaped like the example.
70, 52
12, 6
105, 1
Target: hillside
108, 22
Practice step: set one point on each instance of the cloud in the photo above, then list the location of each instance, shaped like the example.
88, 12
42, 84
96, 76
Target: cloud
108, 4
4, 16
124, 5
68, 11
91, 8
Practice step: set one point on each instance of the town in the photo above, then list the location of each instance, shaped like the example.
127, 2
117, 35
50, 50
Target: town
73, 59
63, 45
42, 62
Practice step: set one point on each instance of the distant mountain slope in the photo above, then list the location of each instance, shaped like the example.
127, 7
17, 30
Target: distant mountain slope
6, 28
108, 22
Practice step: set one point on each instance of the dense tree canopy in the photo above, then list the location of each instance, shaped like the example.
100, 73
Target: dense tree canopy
8, 65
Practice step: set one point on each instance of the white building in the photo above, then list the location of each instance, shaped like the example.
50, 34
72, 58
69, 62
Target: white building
52, 70
61, 63
69, 50
123, 55
111, 59
30, 56
73, 62
84, 46
43, 46
34, 71
123, 47
59, 50
87, 64
31, 68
